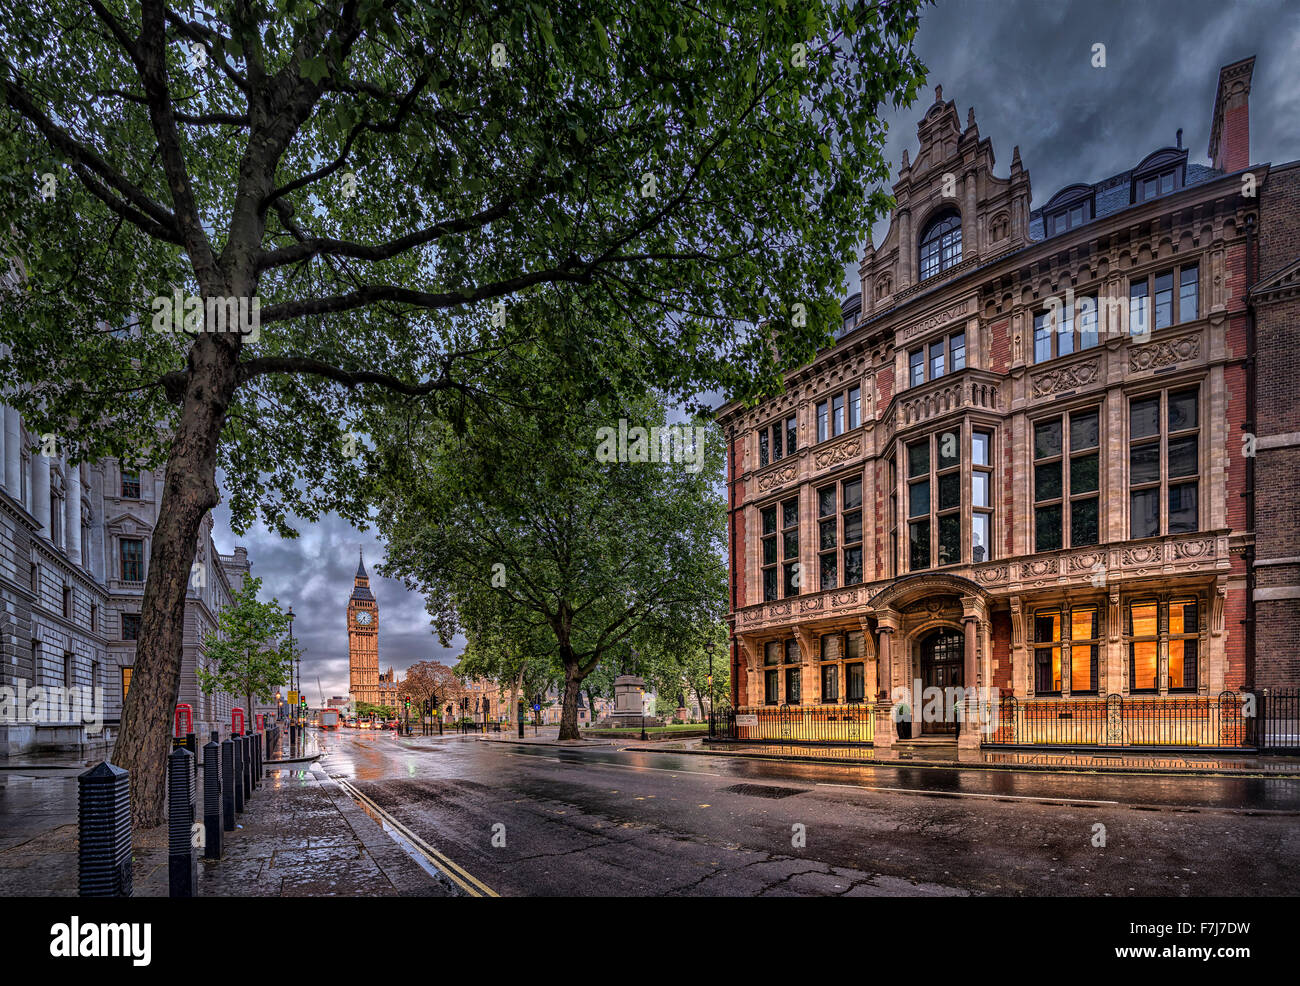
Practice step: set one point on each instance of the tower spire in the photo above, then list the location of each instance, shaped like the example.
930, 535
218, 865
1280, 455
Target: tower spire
361, 564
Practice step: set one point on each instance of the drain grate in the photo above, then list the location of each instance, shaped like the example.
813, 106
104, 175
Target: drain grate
763, 790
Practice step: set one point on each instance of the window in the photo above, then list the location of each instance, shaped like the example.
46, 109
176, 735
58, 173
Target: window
1069, 218
130, 485
126, 682
793, 691
67, 602
934, 479
792, 694
1085, 643
946, 355
69, 670
1047, 652
790, 546
1066, 328
1183, 636
132, 554
1066, 481
1143, 647
855, 681
851, 495
1154, 304
838, 413
827, 536
1163, 464
941, 244
130, 626
981, 496
1153, 185
769, 553
777, 440
830, 682
94, 618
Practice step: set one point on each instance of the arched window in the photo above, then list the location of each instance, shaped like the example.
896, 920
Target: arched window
941, 244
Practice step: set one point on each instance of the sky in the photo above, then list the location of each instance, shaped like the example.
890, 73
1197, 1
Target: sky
1026, 67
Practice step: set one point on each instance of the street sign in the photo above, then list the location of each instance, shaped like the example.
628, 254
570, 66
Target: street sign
293, 698
749, 720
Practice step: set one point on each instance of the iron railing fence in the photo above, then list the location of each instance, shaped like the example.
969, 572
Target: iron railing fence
1275, 727
837, 724
1115, 721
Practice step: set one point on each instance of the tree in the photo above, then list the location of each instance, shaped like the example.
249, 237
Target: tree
523, 527
684, 667
434, 682
250, 652
242, 220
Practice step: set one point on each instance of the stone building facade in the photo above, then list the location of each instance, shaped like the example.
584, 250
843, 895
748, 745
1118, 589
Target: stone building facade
74, 550
1020, 468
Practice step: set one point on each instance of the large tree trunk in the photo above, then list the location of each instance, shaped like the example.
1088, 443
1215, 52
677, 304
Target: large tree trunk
573, 677
189, 492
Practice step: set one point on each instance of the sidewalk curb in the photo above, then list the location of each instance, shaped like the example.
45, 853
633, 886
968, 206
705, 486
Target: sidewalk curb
956, 765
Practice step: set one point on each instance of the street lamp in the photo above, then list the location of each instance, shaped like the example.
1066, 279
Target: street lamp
292, 712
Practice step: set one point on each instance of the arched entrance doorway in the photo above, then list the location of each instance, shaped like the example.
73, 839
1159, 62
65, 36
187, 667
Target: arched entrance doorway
942, 656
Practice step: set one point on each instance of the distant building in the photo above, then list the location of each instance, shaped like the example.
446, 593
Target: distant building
74, 554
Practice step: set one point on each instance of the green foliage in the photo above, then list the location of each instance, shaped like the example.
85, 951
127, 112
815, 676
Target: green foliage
379, 174
521, 538
250, 652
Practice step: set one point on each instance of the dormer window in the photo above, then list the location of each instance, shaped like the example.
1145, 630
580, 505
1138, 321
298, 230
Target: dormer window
941, 244
1068, 209
1161, 173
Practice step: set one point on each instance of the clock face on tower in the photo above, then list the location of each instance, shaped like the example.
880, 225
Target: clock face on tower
363, 618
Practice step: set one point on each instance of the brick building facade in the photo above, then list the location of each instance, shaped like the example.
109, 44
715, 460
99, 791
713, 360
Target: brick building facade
1021, 467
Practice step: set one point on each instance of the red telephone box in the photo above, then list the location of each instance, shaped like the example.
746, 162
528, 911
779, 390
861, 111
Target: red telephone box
185, 716
261, 721
236, 721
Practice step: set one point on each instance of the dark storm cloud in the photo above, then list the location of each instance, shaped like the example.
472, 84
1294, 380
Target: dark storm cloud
314, 574
1027, 70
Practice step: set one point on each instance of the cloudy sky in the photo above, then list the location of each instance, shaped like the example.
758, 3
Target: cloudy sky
1026, 68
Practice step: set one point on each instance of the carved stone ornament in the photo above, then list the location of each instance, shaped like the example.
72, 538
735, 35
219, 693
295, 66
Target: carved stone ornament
1157, 355
1065, 378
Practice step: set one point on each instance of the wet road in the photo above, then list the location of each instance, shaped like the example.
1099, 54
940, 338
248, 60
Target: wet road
527, 820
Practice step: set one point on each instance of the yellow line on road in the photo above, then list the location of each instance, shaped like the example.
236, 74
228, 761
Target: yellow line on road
458, 874
970, 794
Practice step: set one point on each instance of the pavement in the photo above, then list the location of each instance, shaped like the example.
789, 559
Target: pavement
299, 836
461, 815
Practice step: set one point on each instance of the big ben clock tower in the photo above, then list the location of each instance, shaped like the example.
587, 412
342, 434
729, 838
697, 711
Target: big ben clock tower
363, 639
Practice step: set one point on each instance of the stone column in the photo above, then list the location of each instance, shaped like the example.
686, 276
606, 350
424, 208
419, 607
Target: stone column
970, 734
969, 232
885, 734
41, 493
905, 250
72, 514
13, 454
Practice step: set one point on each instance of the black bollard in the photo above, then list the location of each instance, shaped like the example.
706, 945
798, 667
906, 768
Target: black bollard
192, 744
212, 799
247, 772
239, 773
104, 824
182, 860
228, 785
257, 760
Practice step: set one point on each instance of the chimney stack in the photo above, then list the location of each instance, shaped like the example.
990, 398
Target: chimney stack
1230, 126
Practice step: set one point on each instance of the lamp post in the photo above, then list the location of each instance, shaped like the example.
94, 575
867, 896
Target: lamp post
708, 647
293, 713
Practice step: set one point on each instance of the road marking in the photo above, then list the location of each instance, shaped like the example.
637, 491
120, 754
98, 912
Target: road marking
969, 794
458, 874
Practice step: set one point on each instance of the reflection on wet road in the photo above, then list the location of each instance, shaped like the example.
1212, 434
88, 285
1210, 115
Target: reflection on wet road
533, 819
